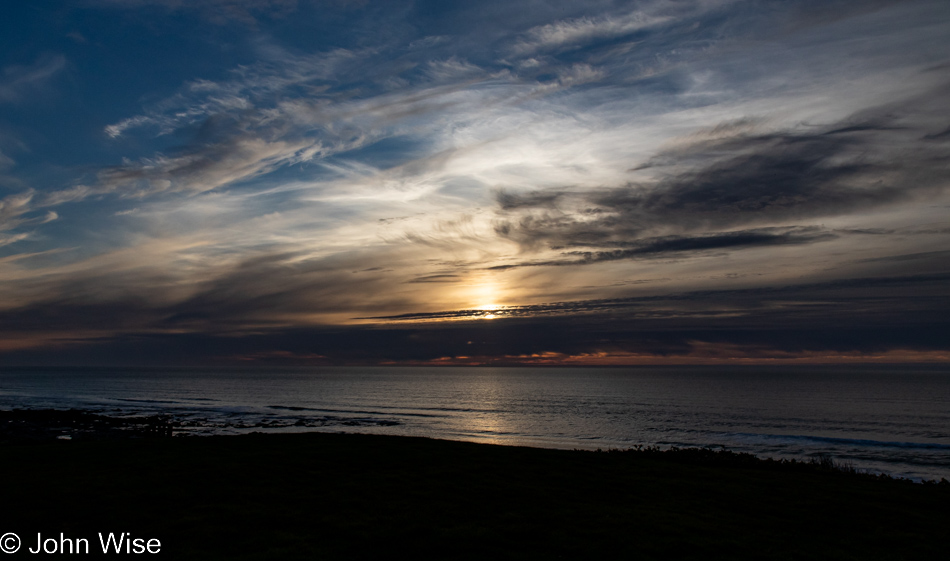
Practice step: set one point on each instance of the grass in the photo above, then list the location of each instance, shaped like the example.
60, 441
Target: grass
335, 496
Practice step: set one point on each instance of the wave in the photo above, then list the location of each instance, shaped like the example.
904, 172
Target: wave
845, 441
349, 411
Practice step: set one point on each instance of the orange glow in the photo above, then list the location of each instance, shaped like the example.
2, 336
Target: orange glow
700, 355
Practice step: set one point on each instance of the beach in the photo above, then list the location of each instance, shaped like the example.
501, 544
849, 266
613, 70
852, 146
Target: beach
357, 496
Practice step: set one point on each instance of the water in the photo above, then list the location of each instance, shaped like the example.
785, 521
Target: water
889, 420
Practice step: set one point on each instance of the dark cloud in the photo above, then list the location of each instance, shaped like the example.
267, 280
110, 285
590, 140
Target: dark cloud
945, 133
878, 299
740, 179
445, 277
943, 256
509, 201
497, 340
771, 177
666, 246
274, 289
263, 291
728, 240
238, 317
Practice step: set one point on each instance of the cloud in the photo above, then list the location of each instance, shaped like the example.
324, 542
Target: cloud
626, 147
732, 175
9, 239
847, 302
17, 82
888, 317
202, 168
668, 246
280, 112
535, 199
254, 94
219, 12
443, 277
943, 255
939, 135
198, 281
16, 210
6, 162
13, 208
571, 32
115, 130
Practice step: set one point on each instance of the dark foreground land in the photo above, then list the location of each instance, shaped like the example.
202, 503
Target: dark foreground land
335, 496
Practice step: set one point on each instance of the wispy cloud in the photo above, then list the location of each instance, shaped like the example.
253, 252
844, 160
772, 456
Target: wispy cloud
573, 32
219, 12
663, 169
12, 209
203, 168
17, 82
257, 89
728, 176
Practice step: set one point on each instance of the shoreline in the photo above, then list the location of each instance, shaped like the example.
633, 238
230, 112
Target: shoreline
331, 495
32, 426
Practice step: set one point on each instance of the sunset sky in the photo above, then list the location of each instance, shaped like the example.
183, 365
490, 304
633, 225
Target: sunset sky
251, 182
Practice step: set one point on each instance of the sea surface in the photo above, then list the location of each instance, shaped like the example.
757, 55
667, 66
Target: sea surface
893, 420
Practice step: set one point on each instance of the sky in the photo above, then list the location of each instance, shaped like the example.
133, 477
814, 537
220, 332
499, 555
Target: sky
308, 182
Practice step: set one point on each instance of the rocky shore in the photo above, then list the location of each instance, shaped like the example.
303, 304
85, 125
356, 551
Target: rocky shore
38, 425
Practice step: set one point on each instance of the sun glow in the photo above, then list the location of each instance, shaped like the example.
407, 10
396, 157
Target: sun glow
489, 308
483, 295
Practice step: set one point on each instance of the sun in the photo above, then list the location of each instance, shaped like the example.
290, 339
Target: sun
484, 298
489, 308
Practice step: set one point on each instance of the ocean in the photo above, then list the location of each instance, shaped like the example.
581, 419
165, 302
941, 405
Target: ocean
893, 419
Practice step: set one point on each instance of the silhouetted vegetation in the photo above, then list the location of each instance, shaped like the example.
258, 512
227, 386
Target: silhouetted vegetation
722, 457
346, 496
